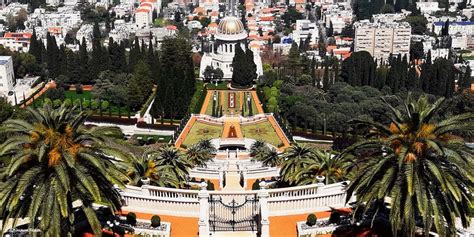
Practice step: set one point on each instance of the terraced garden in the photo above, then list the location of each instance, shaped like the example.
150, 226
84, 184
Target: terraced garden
200, 131
262, 131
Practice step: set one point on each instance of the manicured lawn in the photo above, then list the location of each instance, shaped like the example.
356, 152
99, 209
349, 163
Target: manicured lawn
262, 131
201, 131
220, 86
73, 95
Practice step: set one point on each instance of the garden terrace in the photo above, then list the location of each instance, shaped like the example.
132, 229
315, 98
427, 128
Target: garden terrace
199, 131
232, 102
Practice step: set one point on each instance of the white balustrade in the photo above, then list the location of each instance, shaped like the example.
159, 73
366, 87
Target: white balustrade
282, 201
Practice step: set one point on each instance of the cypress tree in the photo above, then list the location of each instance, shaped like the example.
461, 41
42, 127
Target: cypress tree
84, 63
244, 68
35, 47
466, 80
134, 56
326, 78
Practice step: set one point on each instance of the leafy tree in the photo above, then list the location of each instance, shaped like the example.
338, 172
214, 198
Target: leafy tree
420, 163
291, 15
65, 163
6, 109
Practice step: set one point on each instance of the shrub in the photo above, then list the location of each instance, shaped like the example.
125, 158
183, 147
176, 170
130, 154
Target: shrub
79, 89
48, 101
86, 104
155, 221
94, 104
311, 220
256, 185
77, 102
104, 104
57, 103
67, 102
335, 217
132, 218
210, 186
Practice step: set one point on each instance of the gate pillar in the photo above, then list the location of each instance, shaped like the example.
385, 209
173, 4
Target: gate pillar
203, 211
263, 200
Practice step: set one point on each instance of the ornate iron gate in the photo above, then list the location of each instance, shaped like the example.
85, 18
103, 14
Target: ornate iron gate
236, 215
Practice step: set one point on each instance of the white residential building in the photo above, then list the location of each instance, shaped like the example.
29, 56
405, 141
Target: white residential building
305, 29
382, 39
428, 7
7, 76
463, 27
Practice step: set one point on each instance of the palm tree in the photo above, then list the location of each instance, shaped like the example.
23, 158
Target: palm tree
268, 157
421, 164
173, 162
322, 163
206, 144
146, 167
55, 162
198, 155
257, 147
295, 159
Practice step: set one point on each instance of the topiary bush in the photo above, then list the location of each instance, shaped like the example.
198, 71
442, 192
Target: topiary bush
155, 221
256, 185
57, 103
94, 105
48, 101
104, 104
210, 186
335, 217
77, 102
132, 218
311, 220
67, 102
86, 104
79, 89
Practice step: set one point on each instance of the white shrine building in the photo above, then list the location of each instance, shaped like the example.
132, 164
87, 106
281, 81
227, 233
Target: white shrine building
230, 34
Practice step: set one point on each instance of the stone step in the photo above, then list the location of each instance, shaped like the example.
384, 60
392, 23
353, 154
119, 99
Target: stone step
233, 234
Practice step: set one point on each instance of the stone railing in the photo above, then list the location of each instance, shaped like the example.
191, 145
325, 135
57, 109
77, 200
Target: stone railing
312, 198
283, 201
164, 201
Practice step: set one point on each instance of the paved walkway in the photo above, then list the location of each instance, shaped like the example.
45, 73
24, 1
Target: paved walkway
185, 132
281, 135
229, 122
206, 101
233, 234
49, 85
257, 102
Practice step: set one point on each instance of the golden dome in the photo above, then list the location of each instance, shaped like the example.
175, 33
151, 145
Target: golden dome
230, 26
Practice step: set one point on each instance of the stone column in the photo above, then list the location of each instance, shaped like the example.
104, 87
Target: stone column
221, 177
263, 200
245, 179
203, 211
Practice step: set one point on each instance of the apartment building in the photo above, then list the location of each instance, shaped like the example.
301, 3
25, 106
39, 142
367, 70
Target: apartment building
382, 39
7, 77
305, 29
16, 41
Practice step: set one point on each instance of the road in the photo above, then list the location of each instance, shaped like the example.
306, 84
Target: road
132, 129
